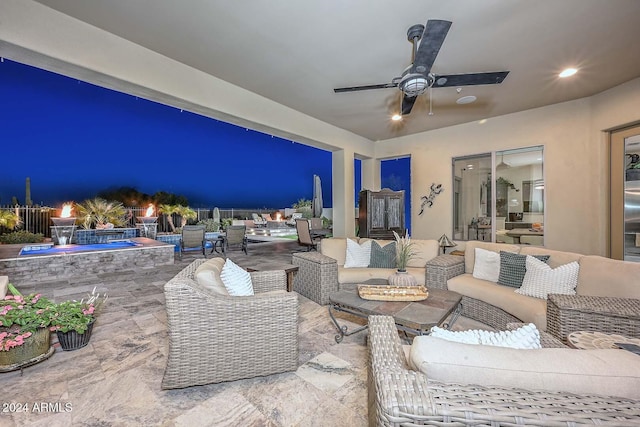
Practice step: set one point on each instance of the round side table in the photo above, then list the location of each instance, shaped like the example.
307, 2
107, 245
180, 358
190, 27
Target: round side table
585, 340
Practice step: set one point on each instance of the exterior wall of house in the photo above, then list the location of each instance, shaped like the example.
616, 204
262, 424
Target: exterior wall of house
576, 163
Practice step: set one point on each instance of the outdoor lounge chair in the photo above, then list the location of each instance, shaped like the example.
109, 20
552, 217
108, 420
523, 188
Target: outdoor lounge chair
258, 222
292, 221
304, 235
236, 236
192, 237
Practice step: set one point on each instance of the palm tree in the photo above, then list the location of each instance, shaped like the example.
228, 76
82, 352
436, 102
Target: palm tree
169, 210
99, 212
9, 219
186, 213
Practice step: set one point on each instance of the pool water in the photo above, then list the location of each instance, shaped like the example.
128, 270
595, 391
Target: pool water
66, 249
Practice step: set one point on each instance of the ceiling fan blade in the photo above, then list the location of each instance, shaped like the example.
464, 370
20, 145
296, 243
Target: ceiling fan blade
407, 104
357, 88
434, 34
469, 79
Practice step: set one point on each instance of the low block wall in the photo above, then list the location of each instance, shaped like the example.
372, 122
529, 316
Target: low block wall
33, 269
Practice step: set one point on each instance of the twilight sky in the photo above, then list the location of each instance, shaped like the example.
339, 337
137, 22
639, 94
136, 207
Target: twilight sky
74, 139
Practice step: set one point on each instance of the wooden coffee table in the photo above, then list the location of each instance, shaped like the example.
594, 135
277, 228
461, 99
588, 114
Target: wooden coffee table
415, 317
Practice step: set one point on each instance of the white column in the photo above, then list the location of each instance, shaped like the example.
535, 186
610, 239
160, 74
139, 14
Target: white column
343, 193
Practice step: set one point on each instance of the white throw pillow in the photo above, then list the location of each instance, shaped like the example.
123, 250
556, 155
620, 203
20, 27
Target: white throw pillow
357, 255
610, 372
525, 337
541, 280
236, 280
487, 265
208, 275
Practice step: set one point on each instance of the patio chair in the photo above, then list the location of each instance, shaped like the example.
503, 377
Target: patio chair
192, 237
236, 236
259, 222
267, 217
292, 221
215, 338
304, 235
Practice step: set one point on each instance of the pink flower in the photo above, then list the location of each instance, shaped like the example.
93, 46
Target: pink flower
40, 311
36, 298
27, 334
88, 311
8, 297
3, 335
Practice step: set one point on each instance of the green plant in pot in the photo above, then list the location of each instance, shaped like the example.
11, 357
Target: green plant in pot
404, 253
24, 333
73, 320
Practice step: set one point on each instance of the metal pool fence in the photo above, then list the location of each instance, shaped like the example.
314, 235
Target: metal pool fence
37, 219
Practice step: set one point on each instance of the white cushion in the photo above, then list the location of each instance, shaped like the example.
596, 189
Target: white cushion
236, 280
357, 255
208, 275
526, 336
610, 372
541, 280
487, 265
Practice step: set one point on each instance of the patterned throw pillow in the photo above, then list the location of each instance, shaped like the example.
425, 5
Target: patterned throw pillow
513, 267
541, 280
383, 256
236, 280
525, 337
357, 255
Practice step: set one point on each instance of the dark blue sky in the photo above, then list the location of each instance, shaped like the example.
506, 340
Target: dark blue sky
74, 139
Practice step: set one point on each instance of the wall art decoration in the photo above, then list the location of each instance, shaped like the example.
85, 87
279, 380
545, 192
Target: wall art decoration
435, 189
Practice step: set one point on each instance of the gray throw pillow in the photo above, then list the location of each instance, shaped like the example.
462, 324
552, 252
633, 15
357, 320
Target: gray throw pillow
513, 268
382, 256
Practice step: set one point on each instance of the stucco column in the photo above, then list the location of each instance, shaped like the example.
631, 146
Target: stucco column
371, 174
343, 193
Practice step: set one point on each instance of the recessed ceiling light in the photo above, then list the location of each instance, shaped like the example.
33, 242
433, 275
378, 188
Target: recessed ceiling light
567, 72
483, 121
396, 117
466, 99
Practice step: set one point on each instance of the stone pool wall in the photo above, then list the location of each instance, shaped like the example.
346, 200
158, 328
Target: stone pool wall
31, 269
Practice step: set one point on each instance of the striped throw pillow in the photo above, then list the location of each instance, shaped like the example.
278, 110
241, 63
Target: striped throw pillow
236, 279
383, 256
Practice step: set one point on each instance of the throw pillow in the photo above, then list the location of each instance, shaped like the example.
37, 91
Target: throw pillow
357, 255
383, 256
208, 275
513, 267
236, 280
541, 280
609, 372
487, 265
524, 337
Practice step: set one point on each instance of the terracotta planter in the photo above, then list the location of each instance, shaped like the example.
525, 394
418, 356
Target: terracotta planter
72, 340
402, 278
35, 349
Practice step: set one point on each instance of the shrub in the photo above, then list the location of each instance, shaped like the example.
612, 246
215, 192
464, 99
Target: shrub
21, 236
210, 224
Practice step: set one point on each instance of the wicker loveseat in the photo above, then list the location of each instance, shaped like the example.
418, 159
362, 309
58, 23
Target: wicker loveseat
607, 300
321, 274
399, 396
215, 338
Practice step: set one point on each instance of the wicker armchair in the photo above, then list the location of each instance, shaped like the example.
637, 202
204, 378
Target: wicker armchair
215, 338
398, 396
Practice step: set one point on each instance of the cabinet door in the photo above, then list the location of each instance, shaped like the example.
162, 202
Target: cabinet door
394, 213
377, 212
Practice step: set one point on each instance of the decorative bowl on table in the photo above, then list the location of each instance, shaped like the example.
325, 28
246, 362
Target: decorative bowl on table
393, 293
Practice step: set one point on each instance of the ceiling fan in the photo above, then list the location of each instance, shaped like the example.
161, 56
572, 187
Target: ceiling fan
417, 77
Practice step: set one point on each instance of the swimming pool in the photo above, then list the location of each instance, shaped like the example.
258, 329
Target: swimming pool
48, 249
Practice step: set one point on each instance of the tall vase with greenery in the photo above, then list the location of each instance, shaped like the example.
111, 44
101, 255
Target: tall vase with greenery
404, 253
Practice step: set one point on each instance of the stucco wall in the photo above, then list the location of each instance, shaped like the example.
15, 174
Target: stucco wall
575, 169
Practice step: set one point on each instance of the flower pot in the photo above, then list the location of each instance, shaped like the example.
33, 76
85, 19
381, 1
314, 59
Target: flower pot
72, 340
402, 278
35, 349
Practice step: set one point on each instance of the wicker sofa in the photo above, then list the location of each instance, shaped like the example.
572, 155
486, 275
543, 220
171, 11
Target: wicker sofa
215, 338
399, 396
607, 300
320, 274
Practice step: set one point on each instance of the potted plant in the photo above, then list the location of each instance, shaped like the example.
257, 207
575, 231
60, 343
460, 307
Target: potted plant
632, 172
24, 334
73, 320
404, 253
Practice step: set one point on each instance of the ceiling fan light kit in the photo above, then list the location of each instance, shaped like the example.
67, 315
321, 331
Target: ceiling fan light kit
416, 79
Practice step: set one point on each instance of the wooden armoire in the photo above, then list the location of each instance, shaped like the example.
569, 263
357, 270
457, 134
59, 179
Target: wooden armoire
381, 213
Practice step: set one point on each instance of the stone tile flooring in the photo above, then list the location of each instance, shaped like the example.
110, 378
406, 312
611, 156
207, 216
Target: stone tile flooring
115, 380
